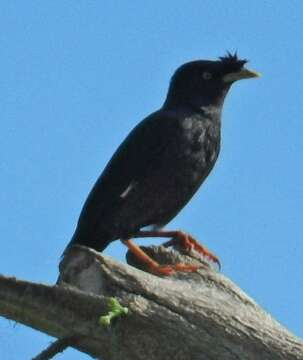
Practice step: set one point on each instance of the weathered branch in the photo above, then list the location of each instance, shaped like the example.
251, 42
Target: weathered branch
188, 316
56, 347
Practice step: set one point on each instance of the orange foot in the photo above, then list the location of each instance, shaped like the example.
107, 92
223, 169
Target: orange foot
153, 266
168, 270
188, 243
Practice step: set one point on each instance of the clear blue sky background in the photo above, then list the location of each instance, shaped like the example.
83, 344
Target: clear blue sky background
76, 76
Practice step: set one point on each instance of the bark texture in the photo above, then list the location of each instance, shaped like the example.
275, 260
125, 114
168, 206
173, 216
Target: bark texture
193, 316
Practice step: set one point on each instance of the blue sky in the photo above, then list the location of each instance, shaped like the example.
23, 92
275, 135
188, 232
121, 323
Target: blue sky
76, 76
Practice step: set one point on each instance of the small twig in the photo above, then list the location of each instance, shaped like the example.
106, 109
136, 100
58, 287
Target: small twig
115, 310
56, 347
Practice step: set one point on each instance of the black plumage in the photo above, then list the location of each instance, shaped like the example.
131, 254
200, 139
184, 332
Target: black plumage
164, 159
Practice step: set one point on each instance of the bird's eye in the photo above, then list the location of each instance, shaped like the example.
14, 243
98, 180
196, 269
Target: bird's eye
207, 75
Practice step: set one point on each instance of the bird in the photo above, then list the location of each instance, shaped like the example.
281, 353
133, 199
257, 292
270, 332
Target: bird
161, 164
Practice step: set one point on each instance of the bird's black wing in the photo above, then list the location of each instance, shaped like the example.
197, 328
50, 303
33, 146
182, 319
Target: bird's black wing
141, 153
114, 195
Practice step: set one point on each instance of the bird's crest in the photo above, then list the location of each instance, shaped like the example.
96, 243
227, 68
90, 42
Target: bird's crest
232, 61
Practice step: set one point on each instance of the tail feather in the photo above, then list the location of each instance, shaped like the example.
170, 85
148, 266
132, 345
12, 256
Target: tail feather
97, 242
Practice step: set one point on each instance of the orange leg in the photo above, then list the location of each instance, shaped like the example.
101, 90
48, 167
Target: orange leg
154, 266
183, 239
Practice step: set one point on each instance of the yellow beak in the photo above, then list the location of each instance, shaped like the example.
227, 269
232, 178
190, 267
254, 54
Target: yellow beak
239, 75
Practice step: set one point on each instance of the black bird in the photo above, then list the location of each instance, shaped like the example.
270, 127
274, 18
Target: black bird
162, 163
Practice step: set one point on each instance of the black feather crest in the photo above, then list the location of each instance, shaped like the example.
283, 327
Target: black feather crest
232, 61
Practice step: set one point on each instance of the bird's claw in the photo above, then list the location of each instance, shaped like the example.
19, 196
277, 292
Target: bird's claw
188, 243
168, 270
165, 270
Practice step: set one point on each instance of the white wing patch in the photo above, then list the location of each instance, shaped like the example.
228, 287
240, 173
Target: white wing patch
130, 187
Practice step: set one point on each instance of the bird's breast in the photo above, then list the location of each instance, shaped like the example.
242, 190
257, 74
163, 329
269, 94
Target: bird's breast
200, 146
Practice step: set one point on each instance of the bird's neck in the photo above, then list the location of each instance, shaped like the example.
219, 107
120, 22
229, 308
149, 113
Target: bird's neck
210, 111
198, 103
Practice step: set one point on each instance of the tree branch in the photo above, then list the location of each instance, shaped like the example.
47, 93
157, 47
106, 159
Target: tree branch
56, 347
188, 316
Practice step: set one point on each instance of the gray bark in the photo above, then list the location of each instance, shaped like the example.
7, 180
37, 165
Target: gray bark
192, 316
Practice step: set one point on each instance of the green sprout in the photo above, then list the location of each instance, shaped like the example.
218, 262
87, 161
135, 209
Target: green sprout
114, 310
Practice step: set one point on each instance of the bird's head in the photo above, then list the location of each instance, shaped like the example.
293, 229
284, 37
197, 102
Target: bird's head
205, 82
